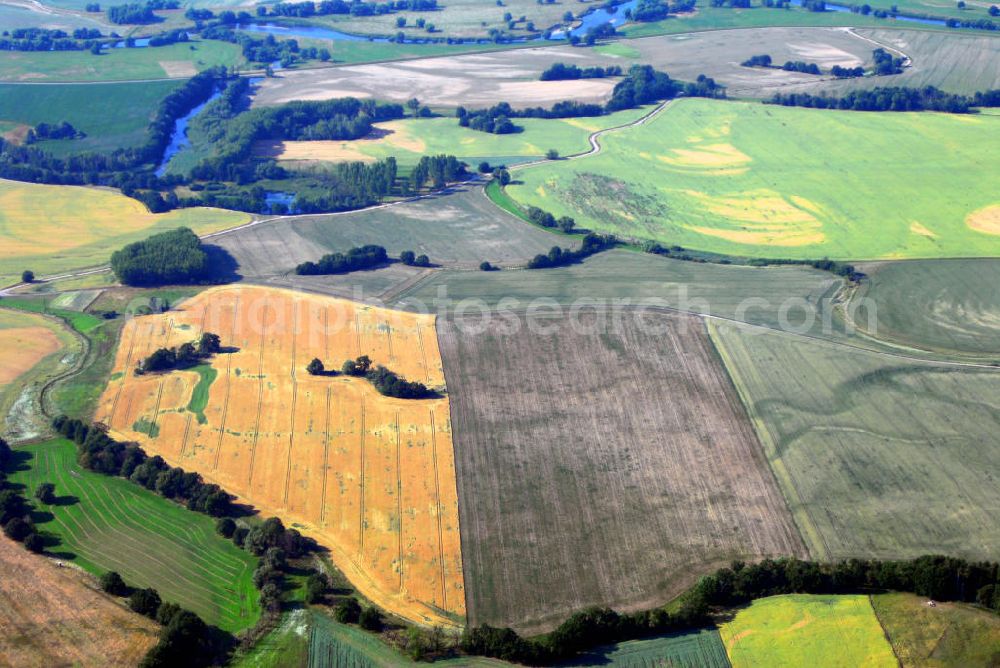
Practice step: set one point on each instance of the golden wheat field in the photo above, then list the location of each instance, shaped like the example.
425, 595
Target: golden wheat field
372, 478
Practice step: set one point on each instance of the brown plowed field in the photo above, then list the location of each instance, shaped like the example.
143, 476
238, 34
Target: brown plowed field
370, 477
601, 464
52, 616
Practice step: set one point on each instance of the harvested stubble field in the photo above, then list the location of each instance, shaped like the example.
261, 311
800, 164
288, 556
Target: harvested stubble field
51, 229
768, 181
104, 523
462, 228
483, 79
602, 461
801, 629
878, 456
956, 61
54, 616
370, 477
941, 305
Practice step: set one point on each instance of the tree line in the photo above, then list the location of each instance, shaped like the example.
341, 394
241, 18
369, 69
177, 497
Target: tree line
15, 510
43, 39
894, 98
560, 257
139, 14
181, 357
563, 72
937, 577
388, 383
641, 85
356, 259
356, 8
169, 257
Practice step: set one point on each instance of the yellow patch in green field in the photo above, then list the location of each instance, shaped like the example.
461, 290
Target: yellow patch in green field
801, 630
541, 191
761, 217
400, 137
985, 220
710, 155
917, 228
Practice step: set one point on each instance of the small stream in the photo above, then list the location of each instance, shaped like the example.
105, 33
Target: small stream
179, 139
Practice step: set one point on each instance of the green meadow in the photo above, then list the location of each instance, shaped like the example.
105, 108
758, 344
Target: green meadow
114, 115
767, 181
104, 523
164, 62
807, 630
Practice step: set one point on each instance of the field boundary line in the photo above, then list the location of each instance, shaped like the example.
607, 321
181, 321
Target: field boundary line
399, 503
885, 632
809, 533
229, 383
361, 505
187, 433
326, 457
260, 398
295, 395
439, 510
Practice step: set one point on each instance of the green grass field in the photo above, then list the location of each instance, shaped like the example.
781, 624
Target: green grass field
767, 181
173, 61
949, 635
107, 523
112, 115
410, 139
802, 630
878, 456
941, 305
696, 649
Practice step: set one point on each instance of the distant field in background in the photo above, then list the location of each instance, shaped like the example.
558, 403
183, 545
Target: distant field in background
370, 477
695, 649
622, 277
723, 18
960, 61
112, 115
55, 617
461, 230
12, 17
52, 229
483, 79
107, 523
750, 179
33, 350
602, 461
410, 139
878, 457
941, 305
164, 62
801, 629
461, 18
948, 635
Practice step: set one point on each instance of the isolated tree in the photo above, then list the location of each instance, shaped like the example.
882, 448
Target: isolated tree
46, 493
413, 104
552, 154
407, 257
422, 261
566, 224
315, 367
27, 276
112, 583
400, 21
145, 602
486, 266
501, 175
348, 611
